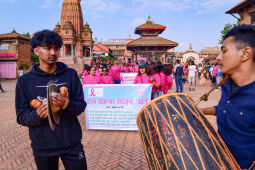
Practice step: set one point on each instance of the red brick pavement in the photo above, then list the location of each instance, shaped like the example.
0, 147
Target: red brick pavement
104, 149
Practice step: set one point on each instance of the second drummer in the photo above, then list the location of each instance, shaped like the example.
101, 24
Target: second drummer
236, 109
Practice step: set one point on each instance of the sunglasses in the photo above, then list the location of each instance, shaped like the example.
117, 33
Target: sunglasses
104, 70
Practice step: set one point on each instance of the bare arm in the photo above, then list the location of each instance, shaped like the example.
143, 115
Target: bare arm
209, 110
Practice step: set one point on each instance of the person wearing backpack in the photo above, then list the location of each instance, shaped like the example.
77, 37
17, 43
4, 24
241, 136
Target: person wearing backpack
178, 73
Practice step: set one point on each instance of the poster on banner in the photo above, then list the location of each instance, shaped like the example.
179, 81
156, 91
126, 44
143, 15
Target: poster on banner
114, 106
127, 78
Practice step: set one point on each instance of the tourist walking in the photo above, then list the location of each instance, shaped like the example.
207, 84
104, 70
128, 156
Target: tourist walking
178, 73
65, 142
192, 76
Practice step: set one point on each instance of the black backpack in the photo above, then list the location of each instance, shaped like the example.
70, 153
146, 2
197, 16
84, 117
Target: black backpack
179, 71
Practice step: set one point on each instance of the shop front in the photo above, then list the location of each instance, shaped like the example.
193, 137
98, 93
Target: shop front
8, 65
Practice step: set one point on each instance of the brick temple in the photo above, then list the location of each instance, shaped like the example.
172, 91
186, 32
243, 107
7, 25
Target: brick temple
77, 37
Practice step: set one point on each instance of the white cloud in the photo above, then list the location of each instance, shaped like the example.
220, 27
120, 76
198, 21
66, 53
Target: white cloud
100, 8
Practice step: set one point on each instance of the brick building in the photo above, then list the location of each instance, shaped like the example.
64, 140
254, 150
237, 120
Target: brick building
14, 51
119, 49
77, 38
244, 12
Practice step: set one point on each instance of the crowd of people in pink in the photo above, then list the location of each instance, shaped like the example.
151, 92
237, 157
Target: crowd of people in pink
159, 75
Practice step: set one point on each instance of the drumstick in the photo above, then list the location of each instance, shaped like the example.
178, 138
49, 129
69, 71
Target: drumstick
205, 96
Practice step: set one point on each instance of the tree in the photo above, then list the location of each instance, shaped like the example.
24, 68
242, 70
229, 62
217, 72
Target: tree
226, 29
27, 34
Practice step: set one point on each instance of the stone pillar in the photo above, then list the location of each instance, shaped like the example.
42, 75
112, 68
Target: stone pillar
91, 52
63, 49
72, 50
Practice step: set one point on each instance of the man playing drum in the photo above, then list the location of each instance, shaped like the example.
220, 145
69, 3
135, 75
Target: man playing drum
236, 109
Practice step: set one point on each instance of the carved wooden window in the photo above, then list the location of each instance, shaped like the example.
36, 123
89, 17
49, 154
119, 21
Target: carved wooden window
252, 17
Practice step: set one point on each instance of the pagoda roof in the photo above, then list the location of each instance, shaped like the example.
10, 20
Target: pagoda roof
152, 41
240, 7
14, 35
149, 25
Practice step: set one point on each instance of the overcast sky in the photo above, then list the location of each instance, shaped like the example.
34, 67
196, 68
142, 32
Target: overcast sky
198, 22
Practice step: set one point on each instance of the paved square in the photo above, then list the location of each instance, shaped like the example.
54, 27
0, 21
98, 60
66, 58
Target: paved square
103, 149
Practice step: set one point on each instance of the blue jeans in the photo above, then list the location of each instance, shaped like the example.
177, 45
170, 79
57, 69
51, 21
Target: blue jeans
179, 84
116, 81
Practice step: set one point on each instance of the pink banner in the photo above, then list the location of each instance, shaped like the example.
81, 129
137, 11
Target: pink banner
7, 55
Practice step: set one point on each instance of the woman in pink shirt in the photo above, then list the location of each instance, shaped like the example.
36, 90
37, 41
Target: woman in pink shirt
156, 80
136, 68
126, 68
85, 70
168, 68
91, 78
142, 76
105, 78
116, 70
109, 70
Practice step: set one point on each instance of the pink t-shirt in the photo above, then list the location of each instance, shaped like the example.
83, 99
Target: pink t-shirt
92, 62
106, 80
91, 80
163, 77
110, 72
85, 73
97, 73
142, 79
116, 70
168, 84
136, 68
126, 69
215, 69
157, 79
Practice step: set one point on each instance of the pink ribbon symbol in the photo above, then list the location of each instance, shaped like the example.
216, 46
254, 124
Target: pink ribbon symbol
121, 78
92, 92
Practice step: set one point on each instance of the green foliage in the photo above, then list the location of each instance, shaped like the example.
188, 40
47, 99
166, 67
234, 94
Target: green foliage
23, 66
103, 59
34, 58
226, 29
27, 34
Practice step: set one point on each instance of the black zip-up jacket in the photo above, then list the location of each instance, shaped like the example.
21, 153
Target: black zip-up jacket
33, 85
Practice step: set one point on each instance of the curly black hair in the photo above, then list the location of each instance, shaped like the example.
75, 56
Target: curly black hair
46, 38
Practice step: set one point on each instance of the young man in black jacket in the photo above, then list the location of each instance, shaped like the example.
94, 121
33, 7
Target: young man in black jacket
65, 142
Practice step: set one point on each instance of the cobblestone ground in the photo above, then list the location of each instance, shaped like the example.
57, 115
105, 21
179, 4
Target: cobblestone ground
104, 149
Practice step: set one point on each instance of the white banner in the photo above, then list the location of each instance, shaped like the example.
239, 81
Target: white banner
127, 78
114, 106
